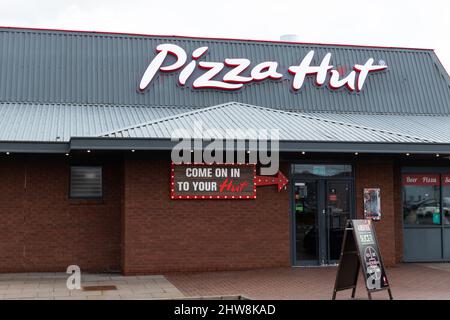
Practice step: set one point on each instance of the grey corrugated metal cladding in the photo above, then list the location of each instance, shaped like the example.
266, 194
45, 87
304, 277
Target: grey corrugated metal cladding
90, 68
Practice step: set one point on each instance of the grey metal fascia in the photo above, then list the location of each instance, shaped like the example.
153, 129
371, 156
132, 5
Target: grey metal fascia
284, 146
34, 147
121, 144
364, 147
167, 145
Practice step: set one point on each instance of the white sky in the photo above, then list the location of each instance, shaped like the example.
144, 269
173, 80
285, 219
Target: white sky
405, 23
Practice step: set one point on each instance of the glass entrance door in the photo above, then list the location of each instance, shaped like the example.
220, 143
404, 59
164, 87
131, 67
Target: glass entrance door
338, 211
306, 208
321, 208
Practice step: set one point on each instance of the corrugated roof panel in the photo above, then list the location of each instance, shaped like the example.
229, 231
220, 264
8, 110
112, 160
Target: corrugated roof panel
436, 128
55, 122
88, 68
291, 126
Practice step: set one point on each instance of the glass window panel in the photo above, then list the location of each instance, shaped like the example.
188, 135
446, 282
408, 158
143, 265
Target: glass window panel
421, 199
323, 170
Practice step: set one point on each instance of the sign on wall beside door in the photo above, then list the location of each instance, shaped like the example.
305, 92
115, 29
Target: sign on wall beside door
372, 203
219, 181
223, 181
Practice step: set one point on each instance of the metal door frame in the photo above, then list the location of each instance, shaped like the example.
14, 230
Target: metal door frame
323, 259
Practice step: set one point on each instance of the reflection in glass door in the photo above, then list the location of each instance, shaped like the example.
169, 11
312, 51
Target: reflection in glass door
338, 211
306, 212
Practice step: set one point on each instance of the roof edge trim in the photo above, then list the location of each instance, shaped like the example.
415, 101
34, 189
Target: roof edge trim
130, 34
124, 144
284, 146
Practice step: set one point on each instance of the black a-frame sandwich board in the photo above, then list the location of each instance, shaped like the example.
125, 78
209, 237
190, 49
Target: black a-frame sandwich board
360, 252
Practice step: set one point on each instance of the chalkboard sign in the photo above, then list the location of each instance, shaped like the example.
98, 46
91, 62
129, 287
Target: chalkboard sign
360, 252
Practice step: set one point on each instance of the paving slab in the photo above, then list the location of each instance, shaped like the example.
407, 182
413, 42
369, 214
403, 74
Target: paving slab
53, 286
408, 281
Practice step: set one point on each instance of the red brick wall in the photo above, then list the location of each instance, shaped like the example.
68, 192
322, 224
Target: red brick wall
163, 235
42, 230
379, 174
138, 229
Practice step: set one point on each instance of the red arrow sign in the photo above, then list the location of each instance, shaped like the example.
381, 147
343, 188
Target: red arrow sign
279, 179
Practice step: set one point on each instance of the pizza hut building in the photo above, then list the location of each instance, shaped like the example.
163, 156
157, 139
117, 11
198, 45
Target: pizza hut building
87, 122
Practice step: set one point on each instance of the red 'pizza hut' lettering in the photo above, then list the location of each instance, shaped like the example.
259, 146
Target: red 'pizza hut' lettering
235, 78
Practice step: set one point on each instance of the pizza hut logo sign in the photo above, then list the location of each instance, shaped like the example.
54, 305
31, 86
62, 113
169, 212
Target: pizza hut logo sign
234, 73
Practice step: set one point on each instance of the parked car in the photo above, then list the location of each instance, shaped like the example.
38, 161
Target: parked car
430, 207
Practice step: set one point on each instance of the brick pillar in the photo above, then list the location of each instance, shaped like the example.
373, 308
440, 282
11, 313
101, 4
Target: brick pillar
379, 174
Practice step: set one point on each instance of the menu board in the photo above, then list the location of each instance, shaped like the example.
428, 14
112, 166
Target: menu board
213, 181
370, 256
360, 252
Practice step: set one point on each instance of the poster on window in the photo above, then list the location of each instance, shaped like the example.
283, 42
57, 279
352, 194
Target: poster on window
372, 203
